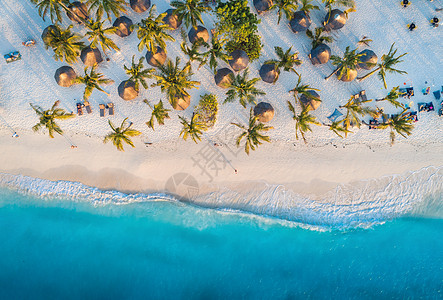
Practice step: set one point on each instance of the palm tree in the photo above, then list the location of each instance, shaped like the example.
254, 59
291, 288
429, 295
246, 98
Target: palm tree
288, 7
354, 110
190, 11
286, 60
401, 123
109, 6
303, 89
318, 37
174, 81
53, 8
192, 52
138, 74
303, 120
307, 7
253, 133
393, 96
342, 3
243, 89
121, 134
193, 129
48, 118
215, 51
364, 41
97, 35
344, 65
92, 81
338, 128
158, 112
65, 44
386, 65
152, 32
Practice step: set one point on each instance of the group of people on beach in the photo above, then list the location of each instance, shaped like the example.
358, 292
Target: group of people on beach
434, 21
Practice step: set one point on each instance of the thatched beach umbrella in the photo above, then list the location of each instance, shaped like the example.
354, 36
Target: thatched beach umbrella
79, 12
300, 22
369, 59
350, 76
123, 25
182, 102
264, 111
335, 20
65, 76
171, 19
91, 56
199, 33
262, 5
311, 102
269, 73
140, 6
239, 61
127, 91
320, 54
45, 34
156, 59
224, 78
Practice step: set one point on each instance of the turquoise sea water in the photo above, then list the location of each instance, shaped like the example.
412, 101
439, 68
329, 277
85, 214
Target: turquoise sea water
55, 248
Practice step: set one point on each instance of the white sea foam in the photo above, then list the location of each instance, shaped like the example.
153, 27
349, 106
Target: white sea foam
361, 205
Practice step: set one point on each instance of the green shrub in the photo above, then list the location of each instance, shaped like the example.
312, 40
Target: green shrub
207, 109
251, 45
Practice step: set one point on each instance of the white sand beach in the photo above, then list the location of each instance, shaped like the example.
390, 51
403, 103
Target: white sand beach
316, 168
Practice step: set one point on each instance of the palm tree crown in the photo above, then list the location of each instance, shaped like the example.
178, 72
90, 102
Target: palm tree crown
243, 89
344, 65
96, 34
53, 8
303, 89
307, 7
109, 6
392, 97
120, 135
215, 51
354, 110
253, 133
65, 44
190, 11
303, 120
151, 32
286, 60
92, 81
138, 74
342, 3
48, 118
288, 7
386, 65
193, 51
317, 37
174, 81
158, 112
193, 129
401, 123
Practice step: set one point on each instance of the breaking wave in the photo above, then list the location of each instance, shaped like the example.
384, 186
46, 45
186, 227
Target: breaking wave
359, 205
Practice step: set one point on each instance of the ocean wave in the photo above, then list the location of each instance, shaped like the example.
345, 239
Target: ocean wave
359, 205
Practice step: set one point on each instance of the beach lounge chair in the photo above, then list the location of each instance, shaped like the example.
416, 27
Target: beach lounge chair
335, 115
111, 108
413, 116
426, 90
102, 110
87, 107
373, 124
29, 43
440, 112
437, 95
426, 106
363, 95
79, 109
12, 56
410, 91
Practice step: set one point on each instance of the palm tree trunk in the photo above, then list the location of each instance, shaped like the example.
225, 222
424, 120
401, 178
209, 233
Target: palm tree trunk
377, 100
149, 104
335, 71
367, 75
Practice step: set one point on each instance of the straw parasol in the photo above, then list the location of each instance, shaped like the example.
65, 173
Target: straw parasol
127, 91
313, 104
156, 59
199, 33
65, 76
262, 5
91, 56
171, 19
51, 28
264, 111
320, 54
269, 73
140, 6
352, 74
239, 61
335, 20
79, 12
123, 25
182, 102
300, 22
224, 78
369, 59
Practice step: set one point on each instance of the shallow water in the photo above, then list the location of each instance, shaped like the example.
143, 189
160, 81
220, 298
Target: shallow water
60, 248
